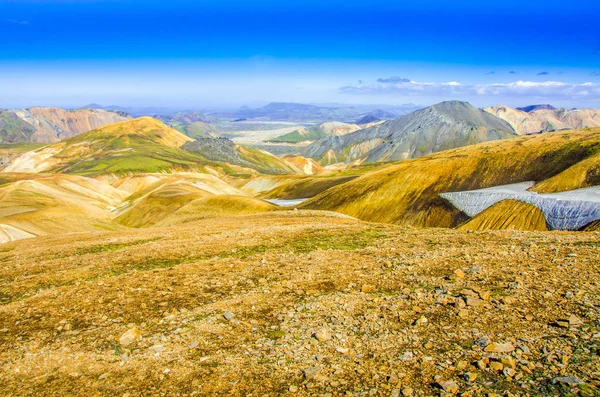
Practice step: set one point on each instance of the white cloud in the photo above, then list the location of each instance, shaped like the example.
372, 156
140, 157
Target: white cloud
518, 89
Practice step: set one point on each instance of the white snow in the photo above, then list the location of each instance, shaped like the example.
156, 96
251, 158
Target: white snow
569, 210
286, 203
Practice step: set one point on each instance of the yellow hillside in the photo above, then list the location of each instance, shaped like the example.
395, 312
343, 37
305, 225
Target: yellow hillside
51, 204
508, 215
155, 196
407, 192
216, 207
134, 146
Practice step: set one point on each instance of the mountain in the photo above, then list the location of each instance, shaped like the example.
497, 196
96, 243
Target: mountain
508, 215
136, 111
439, 127
224, 150
542, 119
331, 128
298, 112
369, 118
13, 129
408, 192
133, 146
193, 124
380, 114
536, 107
56, 204
49, 125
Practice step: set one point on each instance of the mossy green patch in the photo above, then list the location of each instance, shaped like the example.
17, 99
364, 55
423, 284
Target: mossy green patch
112, 246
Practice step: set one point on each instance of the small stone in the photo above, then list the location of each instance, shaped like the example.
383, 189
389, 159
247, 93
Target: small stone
463, 313
500, 348
562, 323
407, 391
508, 361
485, 295
575, 321
293, 389
568, 380
342, 350
482, 364
322, 334
470, 376
228, 316
458, 274
509, 372
393, 380
311, 372
157, 349
421, 321
131, 336
474, 302
449, 386
496, 366
368, 288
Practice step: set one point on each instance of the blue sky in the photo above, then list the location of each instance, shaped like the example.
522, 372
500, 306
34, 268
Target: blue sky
212, 54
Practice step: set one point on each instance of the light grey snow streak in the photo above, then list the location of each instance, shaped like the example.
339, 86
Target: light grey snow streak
569, 210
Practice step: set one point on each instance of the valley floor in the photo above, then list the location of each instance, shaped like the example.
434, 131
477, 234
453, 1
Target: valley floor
300, 303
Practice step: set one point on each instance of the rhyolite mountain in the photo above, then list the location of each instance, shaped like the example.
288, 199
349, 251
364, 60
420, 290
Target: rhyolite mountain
50, 125
439, 127
542, 118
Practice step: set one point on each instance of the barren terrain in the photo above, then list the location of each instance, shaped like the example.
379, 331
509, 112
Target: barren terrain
300, 303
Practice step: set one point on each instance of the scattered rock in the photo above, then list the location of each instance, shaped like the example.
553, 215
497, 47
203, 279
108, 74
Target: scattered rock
342, 350
568, 380
575, 321
449, 386
229, 316
322, 334
130, 337
509, 372
500, 348
311, 372
496, 366
474, 302
368, 288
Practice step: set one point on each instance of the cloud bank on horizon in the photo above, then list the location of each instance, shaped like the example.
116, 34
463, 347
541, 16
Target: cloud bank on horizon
233, 52
543, 90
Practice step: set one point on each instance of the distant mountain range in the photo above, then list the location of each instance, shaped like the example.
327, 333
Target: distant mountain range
531, 108
439, 127
542, 118
49, 125
297, 112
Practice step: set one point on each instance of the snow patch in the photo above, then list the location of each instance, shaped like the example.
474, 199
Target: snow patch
569, 210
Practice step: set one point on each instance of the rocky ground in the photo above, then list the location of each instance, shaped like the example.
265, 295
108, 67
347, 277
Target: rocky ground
300, 303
